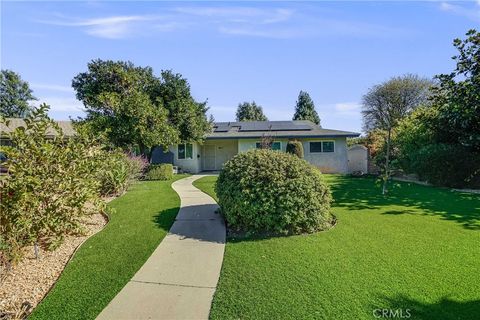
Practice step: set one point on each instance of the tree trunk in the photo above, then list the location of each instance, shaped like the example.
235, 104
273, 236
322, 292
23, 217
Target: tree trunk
387, 164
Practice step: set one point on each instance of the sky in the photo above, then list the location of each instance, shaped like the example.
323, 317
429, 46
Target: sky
232, 52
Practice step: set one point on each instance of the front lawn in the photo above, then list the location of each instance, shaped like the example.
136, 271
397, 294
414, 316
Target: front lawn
417, 249
109, 259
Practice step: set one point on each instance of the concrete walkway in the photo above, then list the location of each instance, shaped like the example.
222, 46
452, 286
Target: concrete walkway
179, 279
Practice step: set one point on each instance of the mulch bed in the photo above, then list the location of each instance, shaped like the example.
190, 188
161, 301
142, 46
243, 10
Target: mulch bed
29, 281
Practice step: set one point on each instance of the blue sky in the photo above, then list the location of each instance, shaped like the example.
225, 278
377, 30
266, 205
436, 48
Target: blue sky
237, 51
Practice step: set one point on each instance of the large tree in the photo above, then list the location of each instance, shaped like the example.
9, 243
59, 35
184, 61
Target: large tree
305, 108
247, 111
457, 96
133, 107
387, 103
14, 95
441, 142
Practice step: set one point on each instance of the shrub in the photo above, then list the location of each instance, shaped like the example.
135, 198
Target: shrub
162, 171
274, 192
117, 171
295, 147
447, 165
51, 184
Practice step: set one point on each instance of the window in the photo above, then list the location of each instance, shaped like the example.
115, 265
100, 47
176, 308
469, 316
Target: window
185, 151
315, 147
322, 146
327, 146
277, 145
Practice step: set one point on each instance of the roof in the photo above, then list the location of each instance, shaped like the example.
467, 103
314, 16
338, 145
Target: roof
14, 123
279, 129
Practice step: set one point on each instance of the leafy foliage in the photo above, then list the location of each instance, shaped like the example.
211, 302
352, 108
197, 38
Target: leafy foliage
268, 191
51, 184
441, 142
133, 107
457, 97
14, 95
386, 104
305, 109
247, 111
162, 171
295, 147
118, 170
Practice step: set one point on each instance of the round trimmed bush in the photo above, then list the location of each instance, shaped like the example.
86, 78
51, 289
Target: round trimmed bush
295, 147
274, 192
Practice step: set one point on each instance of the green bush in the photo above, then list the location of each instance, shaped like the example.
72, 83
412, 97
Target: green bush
295, 147
447, 165
50, 186
162, 171
273, 192
117, 171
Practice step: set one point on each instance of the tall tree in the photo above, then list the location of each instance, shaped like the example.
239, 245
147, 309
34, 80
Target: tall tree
133, 107
14, 95
457, 96
305, 108
250, 112
387, 103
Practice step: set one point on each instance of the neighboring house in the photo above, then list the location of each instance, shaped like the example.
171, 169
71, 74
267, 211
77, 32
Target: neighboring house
15, 123
324, 148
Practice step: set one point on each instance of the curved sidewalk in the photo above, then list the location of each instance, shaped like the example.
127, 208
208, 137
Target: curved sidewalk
179, 279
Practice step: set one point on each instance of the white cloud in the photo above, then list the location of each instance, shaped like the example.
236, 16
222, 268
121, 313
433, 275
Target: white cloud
472, 13
347, 108
276, 23
112, 27
239, 14
60, 104
51, 87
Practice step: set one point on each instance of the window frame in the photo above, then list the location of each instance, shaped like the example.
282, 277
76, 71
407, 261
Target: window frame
258, 145
185, 151
321, 146
333, 143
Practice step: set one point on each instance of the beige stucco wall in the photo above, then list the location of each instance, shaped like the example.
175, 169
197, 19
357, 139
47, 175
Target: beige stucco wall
188, 165
327, 162
357, 159
224, 151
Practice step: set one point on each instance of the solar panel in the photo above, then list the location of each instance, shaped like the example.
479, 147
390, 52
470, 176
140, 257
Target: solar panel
274, 126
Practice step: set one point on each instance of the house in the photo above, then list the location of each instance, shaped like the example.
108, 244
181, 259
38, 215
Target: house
14, 123
324, 148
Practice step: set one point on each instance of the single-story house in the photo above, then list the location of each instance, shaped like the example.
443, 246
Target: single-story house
14, 123
324, 148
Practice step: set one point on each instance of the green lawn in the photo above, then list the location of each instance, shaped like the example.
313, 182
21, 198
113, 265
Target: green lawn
417, 249
107, 261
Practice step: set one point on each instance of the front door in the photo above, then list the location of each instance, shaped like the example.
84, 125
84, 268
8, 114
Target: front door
209, 157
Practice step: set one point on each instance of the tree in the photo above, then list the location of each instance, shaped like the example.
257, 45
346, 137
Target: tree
457, 96
134, 108
441, 142
386, 104
305, 109
14, 95
250, 112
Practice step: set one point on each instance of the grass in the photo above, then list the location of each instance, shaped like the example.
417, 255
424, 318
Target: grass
109, 259
417, 249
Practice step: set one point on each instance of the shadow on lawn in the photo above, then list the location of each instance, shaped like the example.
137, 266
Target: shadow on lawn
164, 219
444, 309
363, 194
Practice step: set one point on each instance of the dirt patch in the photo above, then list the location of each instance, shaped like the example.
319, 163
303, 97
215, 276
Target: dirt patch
29, 281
